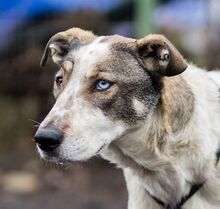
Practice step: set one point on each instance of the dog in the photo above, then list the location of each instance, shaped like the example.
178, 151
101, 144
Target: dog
140, 105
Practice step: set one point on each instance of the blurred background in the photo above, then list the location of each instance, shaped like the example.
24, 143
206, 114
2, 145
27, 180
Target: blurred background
26, 182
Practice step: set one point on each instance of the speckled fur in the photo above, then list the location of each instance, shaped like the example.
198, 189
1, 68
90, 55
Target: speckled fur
159, 121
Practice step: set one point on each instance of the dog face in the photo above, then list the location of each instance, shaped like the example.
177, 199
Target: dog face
105, 88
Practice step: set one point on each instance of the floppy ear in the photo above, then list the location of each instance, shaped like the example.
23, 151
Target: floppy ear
60, 44
160, 56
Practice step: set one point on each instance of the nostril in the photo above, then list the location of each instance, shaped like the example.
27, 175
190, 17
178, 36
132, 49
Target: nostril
48, 138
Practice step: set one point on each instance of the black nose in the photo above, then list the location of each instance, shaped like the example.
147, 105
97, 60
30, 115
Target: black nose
48, 138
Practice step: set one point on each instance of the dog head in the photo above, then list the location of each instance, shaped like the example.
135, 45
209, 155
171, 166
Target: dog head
105, 88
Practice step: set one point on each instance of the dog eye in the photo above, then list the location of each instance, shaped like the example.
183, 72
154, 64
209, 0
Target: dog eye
103, 85
59, 80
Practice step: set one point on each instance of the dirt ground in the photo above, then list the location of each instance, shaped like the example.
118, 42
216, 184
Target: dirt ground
34, 184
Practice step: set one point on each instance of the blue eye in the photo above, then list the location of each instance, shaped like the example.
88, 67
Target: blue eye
103, 85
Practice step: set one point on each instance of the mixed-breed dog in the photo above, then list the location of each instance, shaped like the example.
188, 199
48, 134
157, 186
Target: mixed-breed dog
140, 105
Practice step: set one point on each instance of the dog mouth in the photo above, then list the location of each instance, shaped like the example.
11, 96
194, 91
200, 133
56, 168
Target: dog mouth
100, 149
47, 149
53, 157
51, 154
47, 153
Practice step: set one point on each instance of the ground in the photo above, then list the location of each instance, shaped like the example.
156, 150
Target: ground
34, 184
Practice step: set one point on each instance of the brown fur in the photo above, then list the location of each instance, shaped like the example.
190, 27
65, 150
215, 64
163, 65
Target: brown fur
177, 102
151, 47
160, 127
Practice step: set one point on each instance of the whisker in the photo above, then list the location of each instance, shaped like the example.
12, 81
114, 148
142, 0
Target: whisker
36, 126
34, 121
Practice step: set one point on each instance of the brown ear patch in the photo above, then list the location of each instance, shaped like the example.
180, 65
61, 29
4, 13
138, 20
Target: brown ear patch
177, 102
60, 44
160, 56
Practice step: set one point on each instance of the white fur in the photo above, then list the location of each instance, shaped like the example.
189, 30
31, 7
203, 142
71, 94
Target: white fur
139, 107
172, 172
187, 157
92, 129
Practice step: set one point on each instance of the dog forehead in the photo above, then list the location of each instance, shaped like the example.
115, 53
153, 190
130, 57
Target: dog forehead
88, 56
102, 54
92, 52
100, 50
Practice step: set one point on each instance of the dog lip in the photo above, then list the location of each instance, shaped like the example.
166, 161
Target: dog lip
47, 148
99, 150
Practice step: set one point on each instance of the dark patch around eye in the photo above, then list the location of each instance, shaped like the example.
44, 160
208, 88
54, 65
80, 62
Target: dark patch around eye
120, 106
132, 81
